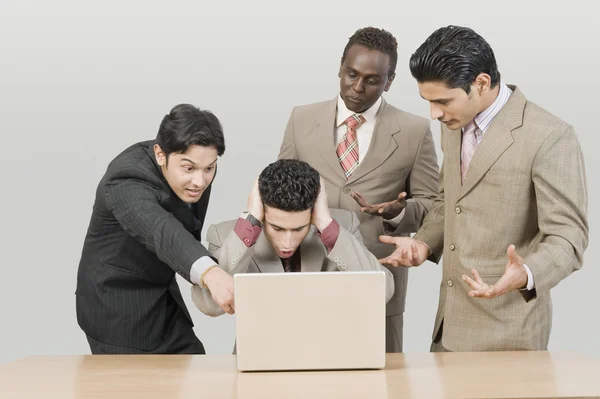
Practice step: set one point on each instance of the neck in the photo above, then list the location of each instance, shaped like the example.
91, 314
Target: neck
490, 97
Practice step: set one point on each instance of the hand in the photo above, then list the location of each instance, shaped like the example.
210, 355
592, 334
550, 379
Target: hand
321, 217
514, 277
387, 210
408, 252
220, 284
255, 204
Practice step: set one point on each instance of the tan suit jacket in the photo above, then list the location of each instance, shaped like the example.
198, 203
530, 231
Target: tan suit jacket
401, 157
348, 254
525, 186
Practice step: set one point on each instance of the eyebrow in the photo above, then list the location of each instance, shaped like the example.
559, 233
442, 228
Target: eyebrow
295, 228
437, 100
193, 163
373, 75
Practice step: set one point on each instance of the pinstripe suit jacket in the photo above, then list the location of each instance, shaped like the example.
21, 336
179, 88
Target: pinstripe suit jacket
525, 186
140, 234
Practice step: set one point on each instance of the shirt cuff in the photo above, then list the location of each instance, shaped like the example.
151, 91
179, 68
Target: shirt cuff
530, 282
394, 222
199, 267
246, 232
330, 235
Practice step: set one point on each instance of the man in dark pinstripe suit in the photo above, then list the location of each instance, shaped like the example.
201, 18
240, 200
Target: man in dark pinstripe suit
145, 226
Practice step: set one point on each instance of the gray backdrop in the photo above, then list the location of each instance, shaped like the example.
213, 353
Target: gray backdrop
80, 81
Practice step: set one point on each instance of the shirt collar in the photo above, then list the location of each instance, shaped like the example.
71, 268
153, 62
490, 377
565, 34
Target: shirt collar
484, 118
343, 113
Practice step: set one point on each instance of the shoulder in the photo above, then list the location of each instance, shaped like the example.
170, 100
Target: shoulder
135, 163
222, 229
346, 219
405, 120
302, 111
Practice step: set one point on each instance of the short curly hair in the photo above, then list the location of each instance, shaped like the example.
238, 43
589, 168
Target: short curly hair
289, 185
375, 39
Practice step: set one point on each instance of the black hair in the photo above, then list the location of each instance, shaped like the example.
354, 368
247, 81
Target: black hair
375, 39
454, 55
289, 185
188, 125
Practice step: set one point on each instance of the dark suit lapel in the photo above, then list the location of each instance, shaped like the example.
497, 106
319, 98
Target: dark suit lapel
383, 143
495, 142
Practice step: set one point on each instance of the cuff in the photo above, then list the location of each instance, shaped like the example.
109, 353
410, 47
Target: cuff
330, 235
393, 223
199, 267
246, 232
530, 282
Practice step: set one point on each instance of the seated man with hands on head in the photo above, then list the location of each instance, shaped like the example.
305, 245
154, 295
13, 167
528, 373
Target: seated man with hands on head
288, 228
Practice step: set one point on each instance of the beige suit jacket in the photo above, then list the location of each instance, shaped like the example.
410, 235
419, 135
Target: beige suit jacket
525, 186
401, 157
348, 254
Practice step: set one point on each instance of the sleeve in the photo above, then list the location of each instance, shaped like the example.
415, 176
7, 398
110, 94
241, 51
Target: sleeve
561, 192
422, 189
135, 204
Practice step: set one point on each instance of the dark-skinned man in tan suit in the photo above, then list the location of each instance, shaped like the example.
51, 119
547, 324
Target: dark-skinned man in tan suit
511, 219
369, 152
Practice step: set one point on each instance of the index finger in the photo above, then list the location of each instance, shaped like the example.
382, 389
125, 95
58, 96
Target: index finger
359, 198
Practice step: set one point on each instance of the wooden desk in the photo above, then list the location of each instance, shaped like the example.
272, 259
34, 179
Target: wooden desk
415, 375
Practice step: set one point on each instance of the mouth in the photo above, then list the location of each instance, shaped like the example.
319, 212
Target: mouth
355, 100
193, 193
286, 254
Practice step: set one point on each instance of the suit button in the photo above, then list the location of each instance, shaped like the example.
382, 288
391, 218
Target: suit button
452, 247
346, 190
343, 266
457, 209
450, 283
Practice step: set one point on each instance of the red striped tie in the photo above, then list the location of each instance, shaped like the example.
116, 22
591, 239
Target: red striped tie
347, 150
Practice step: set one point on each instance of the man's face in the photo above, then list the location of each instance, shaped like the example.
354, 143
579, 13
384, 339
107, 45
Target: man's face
188, 173
286, 230
453, 107
364, 77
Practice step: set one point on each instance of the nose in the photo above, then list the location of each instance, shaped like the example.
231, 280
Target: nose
198, 179
435, 111
359, 85
287, 241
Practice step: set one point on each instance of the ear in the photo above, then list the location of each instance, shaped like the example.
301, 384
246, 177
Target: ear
161, 158
483, 82
340, 71
389, 82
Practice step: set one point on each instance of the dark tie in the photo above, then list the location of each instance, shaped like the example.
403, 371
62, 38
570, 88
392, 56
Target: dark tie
287, 264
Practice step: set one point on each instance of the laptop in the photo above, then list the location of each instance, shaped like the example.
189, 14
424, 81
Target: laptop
310, 321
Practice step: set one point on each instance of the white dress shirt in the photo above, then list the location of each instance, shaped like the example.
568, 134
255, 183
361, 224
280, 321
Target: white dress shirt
364, 132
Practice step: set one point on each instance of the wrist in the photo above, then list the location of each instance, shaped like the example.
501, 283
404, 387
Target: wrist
253, 217
322, 223
205, 279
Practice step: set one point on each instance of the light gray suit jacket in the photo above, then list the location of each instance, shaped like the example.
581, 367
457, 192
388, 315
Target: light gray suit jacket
525, 186
401, 157
348, 254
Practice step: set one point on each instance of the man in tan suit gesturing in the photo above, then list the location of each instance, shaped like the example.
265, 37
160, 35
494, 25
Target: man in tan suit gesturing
511, 218
288, 228
369, 151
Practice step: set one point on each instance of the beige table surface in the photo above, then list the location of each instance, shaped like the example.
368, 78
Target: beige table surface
415, 375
